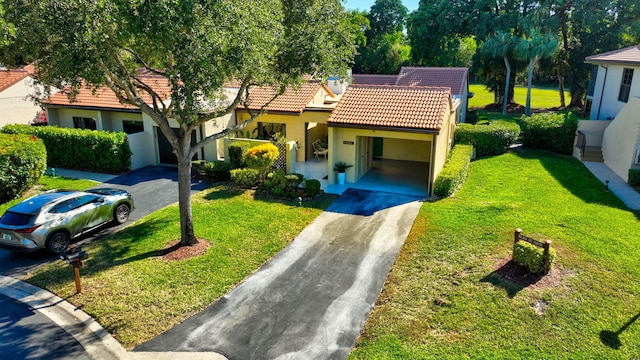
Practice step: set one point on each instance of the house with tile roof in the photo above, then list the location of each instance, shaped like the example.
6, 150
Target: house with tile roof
457, 79
16, 85
615, 78
393, 125
299, 114
100, 109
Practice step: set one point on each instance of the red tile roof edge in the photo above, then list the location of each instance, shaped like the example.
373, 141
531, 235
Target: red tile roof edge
25, 71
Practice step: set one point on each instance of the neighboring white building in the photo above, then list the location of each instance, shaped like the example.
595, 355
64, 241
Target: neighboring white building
15, 105
615, 78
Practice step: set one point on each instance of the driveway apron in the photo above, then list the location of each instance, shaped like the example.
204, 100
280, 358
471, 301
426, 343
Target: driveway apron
312, 299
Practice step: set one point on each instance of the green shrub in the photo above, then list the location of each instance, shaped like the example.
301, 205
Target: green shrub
492, 139
455, 171
532, 257
245, 177
23, 160
276, 180
91, 150
312, 187
549, 131
219, 170
236, 154
294, 179
634, 177
261, 157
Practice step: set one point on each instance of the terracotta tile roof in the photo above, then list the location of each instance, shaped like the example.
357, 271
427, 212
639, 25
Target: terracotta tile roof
629, 55
13, 76
453, 78
374, 79
104, 98
401, 107
292, 100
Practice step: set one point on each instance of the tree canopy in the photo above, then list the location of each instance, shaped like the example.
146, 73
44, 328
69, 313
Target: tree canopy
196, 46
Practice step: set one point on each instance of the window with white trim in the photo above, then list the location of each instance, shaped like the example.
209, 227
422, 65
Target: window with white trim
625, 85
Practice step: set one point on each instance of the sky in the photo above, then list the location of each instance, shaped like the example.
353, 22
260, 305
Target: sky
366, 4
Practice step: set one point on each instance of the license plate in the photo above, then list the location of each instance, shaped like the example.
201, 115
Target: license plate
6, 236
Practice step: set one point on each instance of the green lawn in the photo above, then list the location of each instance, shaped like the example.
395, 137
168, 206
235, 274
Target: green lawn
136, 295
443, 300
541, 98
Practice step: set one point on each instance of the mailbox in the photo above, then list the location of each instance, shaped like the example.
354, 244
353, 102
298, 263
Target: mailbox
74, 255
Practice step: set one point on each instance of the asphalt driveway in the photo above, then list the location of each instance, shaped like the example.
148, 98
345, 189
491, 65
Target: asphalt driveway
152, 188
312, 299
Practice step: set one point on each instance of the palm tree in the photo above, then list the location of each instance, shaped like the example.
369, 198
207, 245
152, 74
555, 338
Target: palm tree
535, 46
501, 45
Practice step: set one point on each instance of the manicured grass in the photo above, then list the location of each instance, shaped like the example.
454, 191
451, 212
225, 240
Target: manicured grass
541, 98
47, 182
136, 295
442, 299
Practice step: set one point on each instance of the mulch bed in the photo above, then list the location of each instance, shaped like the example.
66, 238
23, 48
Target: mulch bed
177, 251
519, 275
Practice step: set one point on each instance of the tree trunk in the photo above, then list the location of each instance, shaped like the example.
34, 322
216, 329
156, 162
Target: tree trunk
505, 99
529, 76
187, 235
561, 84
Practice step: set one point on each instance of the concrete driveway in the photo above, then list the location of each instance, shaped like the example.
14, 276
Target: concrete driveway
312, 299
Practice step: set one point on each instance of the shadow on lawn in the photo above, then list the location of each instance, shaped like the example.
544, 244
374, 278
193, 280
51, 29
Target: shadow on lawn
611, 339
574, 177
512, 278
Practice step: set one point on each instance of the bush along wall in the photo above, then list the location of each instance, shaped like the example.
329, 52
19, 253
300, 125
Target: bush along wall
23, 160
634, 177
491, 139
549, 131
455, 171
90, 150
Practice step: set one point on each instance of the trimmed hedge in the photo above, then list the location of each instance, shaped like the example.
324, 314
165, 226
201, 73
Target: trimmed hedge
531, 257
491, 139
549, 131
236, 153
90, 150
23, 160
634, 177
312, 187
245, 177
455, 171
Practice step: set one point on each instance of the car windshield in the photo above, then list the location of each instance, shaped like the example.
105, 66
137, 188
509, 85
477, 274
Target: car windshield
15, 219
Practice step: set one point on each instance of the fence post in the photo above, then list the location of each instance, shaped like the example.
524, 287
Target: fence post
516, 235
545, 255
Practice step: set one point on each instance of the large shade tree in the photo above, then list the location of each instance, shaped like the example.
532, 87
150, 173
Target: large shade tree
195, 46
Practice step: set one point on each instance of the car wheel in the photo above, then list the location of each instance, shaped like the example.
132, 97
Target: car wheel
121, 213
57, 243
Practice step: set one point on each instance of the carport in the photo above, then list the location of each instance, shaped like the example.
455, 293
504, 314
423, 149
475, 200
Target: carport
394, 136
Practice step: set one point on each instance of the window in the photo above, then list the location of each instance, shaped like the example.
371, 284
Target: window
592, 80
84, 123
625, 85
271, 131
132, 127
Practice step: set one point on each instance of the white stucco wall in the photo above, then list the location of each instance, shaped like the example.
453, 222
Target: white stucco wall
16, 108
141, 145
605, 103
622, 139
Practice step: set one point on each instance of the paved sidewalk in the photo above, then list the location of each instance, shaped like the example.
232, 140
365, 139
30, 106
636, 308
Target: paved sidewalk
619, 187
77, 174
312, 299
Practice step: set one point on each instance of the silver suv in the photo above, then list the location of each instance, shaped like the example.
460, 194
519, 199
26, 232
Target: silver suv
52, 219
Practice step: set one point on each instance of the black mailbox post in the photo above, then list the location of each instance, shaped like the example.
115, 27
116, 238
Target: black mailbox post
75, 256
